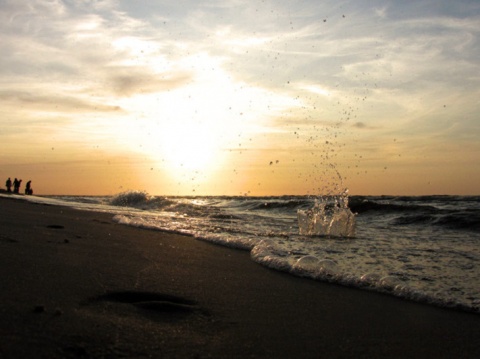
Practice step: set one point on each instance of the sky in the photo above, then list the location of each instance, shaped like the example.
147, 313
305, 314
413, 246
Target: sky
231, 97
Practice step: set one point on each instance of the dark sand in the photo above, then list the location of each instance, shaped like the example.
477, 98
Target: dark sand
75, 284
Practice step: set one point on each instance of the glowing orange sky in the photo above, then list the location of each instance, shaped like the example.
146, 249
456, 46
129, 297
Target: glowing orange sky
234, 98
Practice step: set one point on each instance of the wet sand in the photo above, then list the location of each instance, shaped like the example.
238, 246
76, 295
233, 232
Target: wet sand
75, 284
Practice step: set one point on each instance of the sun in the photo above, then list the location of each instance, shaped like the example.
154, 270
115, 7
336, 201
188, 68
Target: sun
191, 128
191, 146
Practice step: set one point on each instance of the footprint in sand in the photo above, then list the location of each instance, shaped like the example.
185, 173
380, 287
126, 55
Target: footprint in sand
151, 301
55, 226
7, 239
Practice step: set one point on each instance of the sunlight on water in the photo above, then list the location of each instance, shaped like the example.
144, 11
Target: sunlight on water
330, 216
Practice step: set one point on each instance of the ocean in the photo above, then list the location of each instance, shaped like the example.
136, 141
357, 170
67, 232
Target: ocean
424, 249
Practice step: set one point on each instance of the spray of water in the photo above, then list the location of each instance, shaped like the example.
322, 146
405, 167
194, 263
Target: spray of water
330, 216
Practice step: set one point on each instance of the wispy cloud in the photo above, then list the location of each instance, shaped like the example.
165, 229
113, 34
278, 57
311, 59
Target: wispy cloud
55, 103
376, 72
128, 82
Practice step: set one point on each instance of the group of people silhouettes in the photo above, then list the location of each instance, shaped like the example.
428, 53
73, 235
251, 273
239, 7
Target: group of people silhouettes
16, 186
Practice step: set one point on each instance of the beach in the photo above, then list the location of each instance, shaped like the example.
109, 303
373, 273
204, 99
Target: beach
75, 284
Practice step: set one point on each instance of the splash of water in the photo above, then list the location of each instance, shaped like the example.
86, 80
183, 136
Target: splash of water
130, 198
330, 216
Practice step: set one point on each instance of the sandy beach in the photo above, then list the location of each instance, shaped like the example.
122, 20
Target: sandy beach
77, 285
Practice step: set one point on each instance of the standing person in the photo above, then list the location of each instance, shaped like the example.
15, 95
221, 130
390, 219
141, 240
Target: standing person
28, 188
9, 185
16, 185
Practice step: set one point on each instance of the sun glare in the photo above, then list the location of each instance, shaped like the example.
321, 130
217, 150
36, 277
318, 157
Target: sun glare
189, 146
190, 129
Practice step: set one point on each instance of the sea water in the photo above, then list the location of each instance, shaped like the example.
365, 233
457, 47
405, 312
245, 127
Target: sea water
425, 249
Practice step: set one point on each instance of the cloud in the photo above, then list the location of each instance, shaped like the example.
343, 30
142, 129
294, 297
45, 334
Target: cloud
291, 66
128, 82
32, 102
360, 125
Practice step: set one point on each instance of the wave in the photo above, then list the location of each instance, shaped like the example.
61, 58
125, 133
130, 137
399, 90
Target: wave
361, 205
278, 204
180, 206
461, 220
130, 199
434, 198
450, 212
326, 270
139, 200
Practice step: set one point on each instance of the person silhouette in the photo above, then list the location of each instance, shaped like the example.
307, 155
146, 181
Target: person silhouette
28, 188
8, 184
16, 185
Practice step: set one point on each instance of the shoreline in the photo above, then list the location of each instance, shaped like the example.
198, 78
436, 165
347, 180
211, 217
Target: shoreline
76, 284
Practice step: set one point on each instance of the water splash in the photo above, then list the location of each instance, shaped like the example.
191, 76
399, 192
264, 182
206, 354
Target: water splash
130, 198
330, 216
